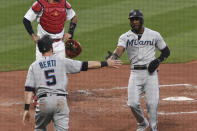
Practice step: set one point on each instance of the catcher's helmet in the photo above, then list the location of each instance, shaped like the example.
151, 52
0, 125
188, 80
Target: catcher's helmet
45, 43
135, 13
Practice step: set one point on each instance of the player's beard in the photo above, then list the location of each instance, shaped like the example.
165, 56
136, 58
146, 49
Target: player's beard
136, 28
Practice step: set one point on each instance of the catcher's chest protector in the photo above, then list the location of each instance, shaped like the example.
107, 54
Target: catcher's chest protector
53, 17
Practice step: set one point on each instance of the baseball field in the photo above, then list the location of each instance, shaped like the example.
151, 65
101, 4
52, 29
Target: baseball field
97, 98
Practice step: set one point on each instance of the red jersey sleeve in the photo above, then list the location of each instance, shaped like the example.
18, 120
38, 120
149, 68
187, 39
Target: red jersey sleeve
68, 6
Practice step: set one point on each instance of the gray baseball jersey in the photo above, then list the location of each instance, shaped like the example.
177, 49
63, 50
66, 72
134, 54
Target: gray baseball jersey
49, 74
141, 52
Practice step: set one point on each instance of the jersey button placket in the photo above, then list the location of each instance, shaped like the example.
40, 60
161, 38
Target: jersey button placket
138, 46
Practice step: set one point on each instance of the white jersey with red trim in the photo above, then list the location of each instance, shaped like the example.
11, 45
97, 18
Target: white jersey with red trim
35, 14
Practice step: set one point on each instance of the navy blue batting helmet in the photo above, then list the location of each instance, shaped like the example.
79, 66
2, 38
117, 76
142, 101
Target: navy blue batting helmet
135, 13
45, 43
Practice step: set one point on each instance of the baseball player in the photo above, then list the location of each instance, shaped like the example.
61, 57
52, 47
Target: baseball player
51, 16
141, 43
48, 77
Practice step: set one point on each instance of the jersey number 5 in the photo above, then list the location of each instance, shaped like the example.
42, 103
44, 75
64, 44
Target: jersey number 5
50, 76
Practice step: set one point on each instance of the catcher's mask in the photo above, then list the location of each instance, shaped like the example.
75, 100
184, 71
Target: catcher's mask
45, 44
136, 15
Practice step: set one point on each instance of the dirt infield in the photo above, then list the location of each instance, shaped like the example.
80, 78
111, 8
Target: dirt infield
97, 100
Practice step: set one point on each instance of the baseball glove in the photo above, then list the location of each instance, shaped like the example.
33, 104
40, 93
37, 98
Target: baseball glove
73, 48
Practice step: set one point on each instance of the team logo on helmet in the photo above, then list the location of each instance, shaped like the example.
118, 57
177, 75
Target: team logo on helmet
135, 13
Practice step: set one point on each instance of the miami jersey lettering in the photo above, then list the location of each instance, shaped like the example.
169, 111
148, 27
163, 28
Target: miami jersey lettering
141, 52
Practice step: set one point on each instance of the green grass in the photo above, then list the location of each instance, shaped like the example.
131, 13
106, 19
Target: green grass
100, 23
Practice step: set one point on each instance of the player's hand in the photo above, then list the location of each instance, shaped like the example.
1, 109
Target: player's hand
153, 65
114, 63
66, 37
35, 38
26, 116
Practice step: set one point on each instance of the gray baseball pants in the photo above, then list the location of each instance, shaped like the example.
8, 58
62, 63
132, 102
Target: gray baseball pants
53, 108
140, 82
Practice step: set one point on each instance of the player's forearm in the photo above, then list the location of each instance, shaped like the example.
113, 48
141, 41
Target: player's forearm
94, 64
165, 53
99, 64
119, 51
72, 26
74, 19
28, 26
28, 97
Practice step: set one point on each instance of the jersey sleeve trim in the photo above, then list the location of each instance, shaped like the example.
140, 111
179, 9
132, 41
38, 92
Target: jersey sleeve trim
67, 5
123, 45
29, 88
84, 66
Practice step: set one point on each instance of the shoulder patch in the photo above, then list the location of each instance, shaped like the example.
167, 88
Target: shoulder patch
36, 7
68, 6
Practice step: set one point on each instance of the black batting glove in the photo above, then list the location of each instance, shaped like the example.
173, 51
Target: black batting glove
114, 55
153, 65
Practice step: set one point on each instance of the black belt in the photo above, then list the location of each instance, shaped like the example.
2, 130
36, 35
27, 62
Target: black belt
45, 95
139, 67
